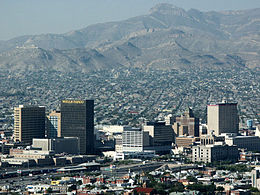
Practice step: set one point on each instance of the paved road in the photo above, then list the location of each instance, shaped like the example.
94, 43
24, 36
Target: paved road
122, 170
119, 171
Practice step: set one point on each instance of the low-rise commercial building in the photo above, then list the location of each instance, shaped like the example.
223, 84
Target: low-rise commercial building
69, 145
80, 159
211, 153
186, 142
5, 147
250, 143
31, 154
255, 178
211, 139
60, 161
22, 156
19, 162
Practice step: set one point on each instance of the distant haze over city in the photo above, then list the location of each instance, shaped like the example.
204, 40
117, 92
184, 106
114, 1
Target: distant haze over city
30, 17
130, 97
165, 59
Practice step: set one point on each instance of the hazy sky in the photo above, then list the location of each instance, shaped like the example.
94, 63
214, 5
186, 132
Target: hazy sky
24, 17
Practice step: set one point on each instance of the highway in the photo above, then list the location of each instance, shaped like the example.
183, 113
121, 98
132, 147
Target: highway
22, 181
124, 169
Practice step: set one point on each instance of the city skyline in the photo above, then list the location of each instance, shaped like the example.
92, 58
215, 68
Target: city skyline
165, 100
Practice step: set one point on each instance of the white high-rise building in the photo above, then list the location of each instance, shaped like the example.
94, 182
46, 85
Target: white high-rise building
223, 118
134, 140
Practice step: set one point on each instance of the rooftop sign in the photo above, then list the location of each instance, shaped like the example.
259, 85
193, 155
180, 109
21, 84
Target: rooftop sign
73, 101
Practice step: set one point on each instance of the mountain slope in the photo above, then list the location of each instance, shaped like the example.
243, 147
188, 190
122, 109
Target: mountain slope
220, 24
167, 37
34, 58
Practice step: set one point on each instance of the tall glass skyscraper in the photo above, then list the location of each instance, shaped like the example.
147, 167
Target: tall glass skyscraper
54, 124
29, 123
77, 120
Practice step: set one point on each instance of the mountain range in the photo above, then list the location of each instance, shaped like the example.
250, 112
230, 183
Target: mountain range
167, 37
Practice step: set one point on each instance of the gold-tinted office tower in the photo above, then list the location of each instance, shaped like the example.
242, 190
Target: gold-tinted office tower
77, 120
223, 118
29, 123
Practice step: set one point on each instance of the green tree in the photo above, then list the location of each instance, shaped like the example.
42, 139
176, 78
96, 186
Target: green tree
71, 188
49, 190
103, 187
79, 182
234, 168
177, 187
192, 179
56, 178
140, 193
220, 189
106, 160
253, 189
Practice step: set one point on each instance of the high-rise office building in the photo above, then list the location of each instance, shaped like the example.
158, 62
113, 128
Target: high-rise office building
77, 120
29, 123
134, 140
54, 124
187, 124
161, 136
223, 118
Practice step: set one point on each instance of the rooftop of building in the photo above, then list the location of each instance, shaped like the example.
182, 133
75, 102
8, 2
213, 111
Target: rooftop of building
155, 123
132, 129
224, 102
143, 190
30, 106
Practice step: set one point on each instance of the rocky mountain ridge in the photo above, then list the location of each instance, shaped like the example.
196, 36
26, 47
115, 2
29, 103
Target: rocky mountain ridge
166, 38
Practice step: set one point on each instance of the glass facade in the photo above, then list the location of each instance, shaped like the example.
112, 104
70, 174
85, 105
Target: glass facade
53, 126
29, 123
77, 120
